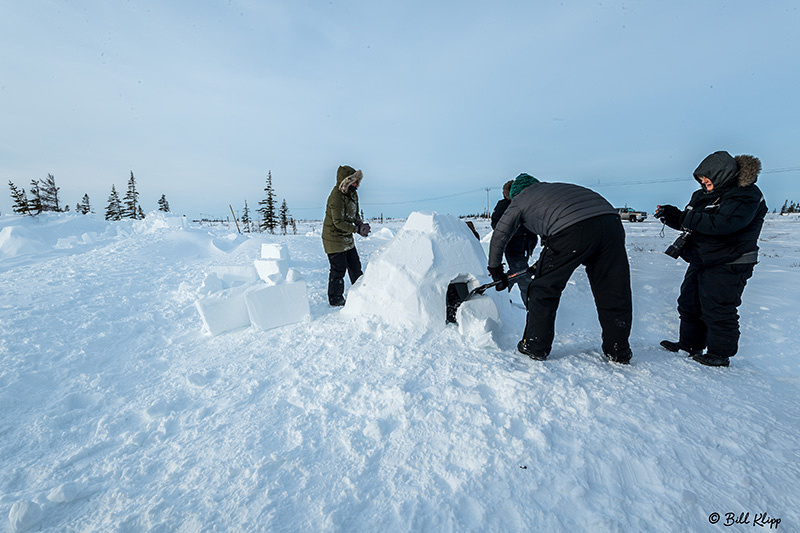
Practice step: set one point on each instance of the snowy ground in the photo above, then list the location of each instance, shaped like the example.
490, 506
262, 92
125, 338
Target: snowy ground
120, 414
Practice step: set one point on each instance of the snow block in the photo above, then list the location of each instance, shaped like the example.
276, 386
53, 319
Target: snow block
406, 282
272, 270
272, 306
235, 275
224, 310
478, 319
274, 251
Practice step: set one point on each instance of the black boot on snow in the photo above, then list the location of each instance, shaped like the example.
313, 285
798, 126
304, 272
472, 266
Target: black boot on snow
522, 346
675, 347
336, 302
622, 357
709, 359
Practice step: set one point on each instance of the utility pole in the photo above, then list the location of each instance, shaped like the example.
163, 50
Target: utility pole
487, 201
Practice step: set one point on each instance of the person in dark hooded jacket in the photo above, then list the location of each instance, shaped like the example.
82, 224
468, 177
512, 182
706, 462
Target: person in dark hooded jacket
342, 220
721, 225
577, 227
519, 248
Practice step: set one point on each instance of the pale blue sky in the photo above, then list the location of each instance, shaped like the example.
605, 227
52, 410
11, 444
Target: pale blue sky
429, 99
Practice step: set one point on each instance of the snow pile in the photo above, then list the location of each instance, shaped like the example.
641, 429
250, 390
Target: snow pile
266, 295
406, 283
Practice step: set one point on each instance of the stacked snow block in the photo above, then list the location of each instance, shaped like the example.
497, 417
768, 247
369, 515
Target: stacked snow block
268, 295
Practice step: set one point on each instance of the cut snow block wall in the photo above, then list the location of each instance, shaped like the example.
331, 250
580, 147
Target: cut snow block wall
406, 282
224, 310
272, 306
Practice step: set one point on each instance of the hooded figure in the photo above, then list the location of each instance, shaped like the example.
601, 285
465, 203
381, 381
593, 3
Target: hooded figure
520, 246
576, 227
722, 223
342, 219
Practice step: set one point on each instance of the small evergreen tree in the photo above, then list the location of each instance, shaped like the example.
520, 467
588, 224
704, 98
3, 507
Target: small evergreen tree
283, 217
246, 217
49, 194
269, 219
35, 202
294, 226
163, 204
130, 204
140, 214
20, 199
114, 207
83, 207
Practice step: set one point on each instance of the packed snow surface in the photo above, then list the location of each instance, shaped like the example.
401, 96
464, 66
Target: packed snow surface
120, 413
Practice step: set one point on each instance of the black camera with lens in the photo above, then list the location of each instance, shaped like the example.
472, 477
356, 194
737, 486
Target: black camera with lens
674, 250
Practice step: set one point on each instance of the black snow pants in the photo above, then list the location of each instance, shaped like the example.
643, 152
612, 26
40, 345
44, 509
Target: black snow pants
599, 244
342, 262
707, 307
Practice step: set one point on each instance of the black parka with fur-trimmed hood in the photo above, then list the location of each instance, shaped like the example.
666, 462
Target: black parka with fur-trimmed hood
726, 221
342, 212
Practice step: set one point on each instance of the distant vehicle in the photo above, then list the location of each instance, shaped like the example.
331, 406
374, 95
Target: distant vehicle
631, 214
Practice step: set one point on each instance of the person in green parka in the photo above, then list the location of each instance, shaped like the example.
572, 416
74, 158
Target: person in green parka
342, 219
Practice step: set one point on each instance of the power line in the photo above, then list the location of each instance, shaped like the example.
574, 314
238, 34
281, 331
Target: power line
610, 184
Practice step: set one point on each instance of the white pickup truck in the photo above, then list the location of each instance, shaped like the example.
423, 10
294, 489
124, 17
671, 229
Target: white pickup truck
631, 214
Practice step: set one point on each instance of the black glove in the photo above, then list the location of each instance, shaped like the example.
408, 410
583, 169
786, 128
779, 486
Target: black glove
499, 276
362, 228
668, 214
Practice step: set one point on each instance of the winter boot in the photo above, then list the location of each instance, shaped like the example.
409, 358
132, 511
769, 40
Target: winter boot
709, 359
522, 346
622, 357
675, 347
337, 301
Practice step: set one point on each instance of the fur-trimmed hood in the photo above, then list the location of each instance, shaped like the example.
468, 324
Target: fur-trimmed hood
347, 176
726, 171
749, 169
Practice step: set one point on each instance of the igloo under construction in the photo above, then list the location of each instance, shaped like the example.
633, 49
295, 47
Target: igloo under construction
406, 282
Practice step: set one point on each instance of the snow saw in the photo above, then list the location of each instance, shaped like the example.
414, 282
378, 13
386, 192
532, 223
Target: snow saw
458, 292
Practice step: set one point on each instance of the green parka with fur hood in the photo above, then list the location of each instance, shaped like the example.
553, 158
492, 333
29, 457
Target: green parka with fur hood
342, 212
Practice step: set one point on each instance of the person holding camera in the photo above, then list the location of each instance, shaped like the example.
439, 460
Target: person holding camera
342, 220
519, 248
719, 228
577, 227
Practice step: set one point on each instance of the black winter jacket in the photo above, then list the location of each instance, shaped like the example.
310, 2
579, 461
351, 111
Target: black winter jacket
523, 242
726, 222
545, 209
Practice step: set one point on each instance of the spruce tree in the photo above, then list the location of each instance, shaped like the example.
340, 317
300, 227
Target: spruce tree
49, 194
246, 217
163, 204
284, 217
267, 210
83, 206
140, 214
294, 226
35, 202
20, 199
130, 204
114, 207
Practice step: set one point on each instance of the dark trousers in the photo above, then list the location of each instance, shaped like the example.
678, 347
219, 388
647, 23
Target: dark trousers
516, 263
599, 244
707, 308
342, 262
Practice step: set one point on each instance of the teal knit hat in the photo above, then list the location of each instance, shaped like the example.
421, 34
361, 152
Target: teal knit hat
522, 181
